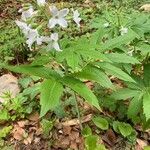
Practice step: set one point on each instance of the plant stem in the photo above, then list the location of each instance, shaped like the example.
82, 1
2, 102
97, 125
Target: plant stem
78, 112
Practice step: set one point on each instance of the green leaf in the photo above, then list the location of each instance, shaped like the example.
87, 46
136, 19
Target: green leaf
93, 54
47, 126
4, 115
86, 131
125, 129
39, 71
113, 70
41, 60
147, 148
135, 106
101, 123
51, 91
147, 75
146, 105
95, 74
81, 89
118, 41
124, 94
122, 58
73, 60
91, 142
5, 131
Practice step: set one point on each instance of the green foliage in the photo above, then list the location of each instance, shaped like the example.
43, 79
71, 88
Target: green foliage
113, 70
91, 143
95, 74
146, 105
10, 42
147, 148
51, 90
5, 131
101, 123
46, 126
122, 128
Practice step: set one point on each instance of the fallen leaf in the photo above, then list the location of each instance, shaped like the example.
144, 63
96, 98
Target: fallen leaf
140, 144
29, 139
76, 121
67, 130
73, 145
23, 123
18, 133
8, 83
34, 117
145, 7
110, 137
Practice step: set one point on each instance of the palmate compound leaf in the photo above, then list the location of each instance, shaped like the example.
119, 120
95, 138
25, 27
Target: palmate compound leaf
51, 90
48, 73
92, 73
146, 104
81, 89
113, 70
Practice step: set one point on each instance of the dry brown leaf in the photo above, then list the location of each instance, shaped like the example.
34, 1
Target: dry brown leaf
74, 135
67, 130
29, 139
140, 144
23, 123
18, 133
76, 121
8, 83
37, 140
145, 7
73, 145
34, 117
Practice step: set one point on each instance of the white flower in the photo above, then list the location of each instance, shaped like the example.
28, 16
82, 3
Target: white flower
23, 26
76, 17
41, 2
123, 30
106, 25
58, 17
33, 36
53, 43
27, 13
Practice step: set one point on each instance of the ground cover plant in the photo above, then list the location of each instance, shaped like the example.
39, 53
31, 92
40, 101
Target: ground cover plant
84, 75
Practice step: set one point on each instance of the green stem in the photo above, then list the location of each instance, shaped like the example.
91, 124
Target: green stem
78, 112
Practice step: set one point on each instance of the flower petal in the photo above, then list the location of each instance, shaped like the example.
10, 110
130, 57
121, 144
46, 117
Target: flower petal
62, 22
62, 13
76, 17
41, 2
53, 10
54, 37
56, 46
52, 22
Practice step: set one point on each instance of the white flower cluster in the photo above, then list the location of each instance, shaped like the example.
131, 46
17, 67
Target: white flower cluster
58, 18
